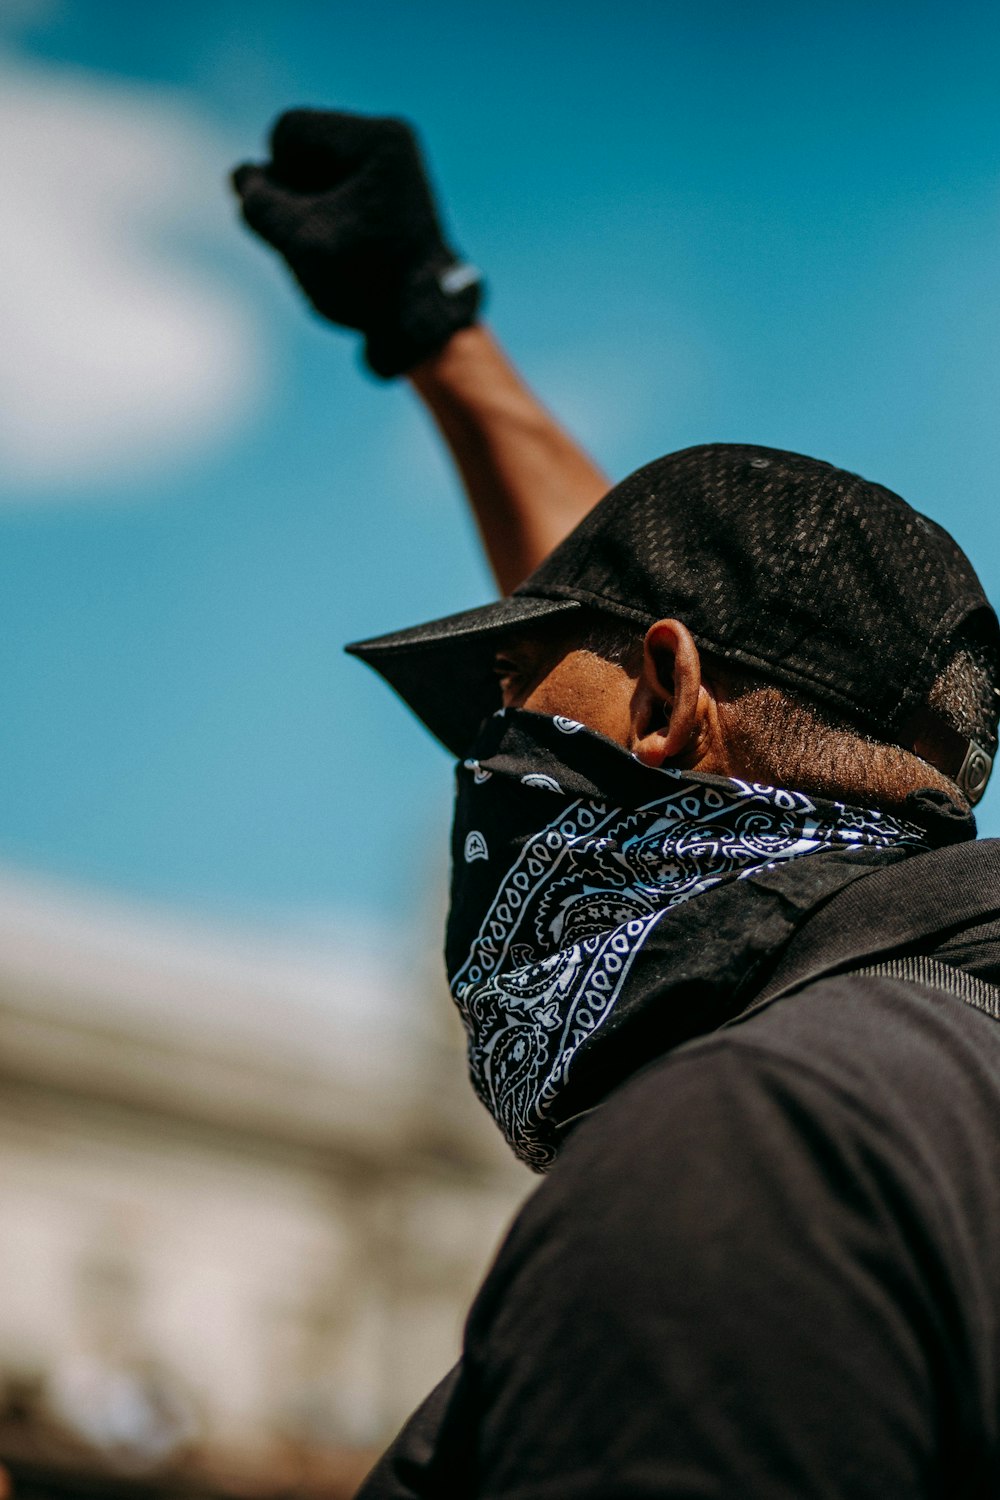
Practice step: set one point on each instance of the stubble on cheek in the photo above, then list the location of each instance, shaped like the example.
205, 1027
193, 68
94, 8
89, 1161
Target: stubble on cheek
585, 687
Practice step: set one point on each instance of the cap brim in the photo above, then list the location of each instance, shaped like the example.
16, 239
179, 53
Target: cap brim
443, 669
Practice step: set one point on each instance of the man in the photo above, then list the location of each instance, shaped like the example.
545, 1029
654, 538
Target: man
721, 935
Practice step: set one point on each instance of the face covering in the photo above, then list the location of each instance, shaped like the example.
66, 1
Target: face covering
566, 854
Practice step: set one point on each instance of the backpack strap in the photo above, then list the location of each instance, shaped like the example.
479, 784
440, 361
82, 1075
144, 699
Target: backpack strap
886, 915
919, 969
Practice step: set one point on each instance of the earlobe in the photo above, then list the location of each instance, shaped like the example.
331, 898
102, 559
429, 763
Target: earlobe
667, 702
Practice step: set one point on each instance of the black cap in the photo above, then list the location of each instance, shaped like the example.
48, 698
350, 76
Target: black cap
808, 574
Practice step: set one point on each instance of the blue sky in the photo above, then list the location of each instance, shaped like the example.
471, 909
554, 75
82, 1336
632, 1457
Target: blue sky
772, 223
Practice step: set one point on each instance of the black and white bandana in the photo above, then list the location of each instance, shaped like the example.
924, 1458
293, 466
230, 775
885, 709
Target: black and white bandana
566, 854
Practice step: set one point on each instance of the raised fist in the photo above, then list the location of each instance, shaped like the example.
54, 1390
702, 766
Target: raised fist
346, 200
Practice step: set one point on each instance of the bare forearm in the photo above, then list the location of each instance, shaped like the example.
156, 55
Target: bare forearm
527, 481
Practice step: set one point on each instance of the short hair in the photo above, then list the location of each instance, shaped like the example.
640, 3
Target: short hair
791, 741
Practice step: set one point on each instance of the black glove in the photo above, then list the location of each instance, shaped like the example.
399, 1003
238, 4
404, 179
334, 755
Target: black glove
345, 199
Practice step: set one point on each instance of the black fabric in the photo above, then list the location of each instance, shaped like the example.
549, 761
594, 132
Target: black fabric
768, 1265
816, 577
925, 906
345, 199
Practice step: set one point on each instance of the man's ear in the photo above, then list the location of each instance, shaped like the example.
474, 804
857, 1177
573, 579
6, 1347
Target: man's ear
669, 703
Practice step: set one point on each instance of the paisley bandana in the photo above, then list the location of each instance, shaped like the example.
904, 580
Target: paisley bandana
567, 852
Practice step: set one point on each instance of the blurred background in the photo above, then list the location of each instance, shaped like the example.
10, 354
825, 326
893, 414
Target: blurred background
246, 1192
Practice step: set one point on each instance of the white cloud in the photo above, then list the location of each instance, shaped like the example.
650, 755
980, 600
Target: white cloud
117, 357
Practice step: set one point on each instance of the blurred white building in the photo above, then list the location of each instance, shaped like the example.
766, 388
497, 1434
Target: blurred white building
246, 1191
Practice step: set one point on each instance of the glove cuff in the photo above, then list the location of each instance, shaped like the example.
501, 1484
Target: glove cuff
432, 304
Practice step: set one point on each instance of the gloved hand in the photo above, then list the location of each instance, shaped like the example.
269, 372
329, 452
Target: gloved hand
346, 200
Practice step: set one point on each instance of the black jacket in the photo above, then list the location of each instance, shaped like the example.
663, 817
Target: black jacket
768, 1264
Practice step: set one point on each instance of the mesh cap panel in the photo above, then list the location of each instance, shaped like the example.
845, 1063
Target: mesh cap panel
807, 573
812, 575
